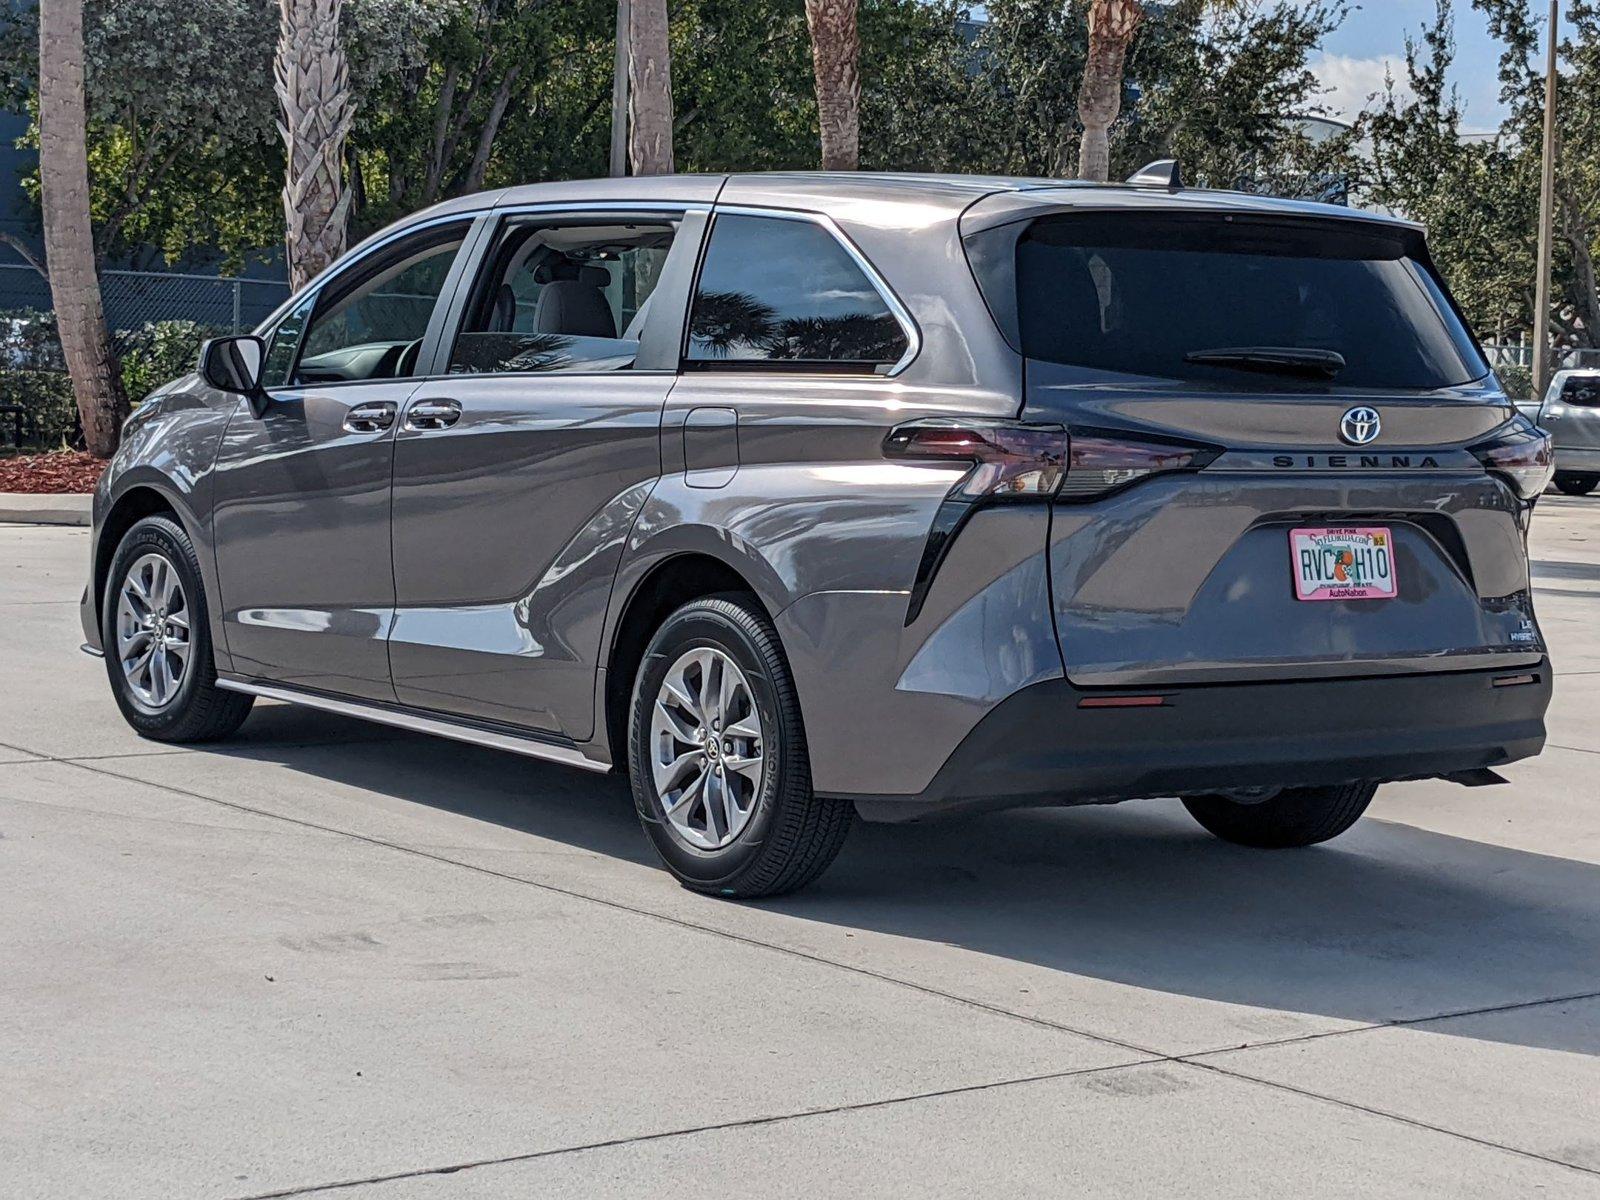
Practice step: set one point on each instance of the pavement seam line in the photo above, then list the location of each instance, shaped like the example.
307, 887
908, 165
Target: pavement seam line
683, 923
1389, 1023
867, 1105
618, 906
1393, 1116
1147, 1055
689, 1131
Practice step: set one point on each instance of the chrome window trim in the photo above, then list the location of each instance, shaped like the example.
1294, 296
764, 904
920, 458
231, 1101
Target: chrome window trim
602, 207
886, 293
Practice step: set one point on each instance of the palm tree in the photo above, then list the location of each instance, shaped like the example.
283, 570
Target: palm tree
723, 322
649, 89
68, 235
1112, 25
836, 56
316, 108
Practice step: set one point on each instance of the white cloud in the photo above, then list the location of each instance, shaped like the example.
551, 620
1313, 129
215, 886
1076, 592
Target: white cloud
1352, 82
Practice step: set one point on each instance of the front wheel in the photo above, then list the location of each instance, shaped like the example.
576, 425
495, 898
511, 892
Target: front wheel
158, 641
718, 760
1576, 485
1300, 816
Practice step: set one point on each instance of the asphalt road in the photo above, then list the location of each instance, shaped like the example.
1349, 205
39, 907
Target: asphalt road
327, 958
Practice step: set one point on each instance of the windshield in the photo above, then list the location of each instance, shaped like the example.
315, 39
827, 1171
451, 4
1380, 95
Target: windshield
1241, 302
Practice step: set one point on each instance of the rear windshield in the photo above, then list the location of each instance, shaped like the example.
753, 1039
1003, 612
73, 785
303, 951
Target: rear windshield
1140, 294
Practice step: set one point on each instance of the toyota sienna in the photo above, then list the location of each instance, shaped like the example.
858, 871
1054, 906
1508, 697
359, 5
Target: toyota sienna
803, 497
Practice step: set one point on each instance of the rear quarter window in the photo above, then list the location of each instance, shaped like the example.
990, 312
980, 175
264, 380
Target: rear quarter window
1138, 295
785, 293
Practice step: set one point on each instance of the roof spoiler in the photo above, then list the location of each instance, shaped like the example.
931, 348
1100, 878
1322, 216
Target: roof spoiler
1163, 173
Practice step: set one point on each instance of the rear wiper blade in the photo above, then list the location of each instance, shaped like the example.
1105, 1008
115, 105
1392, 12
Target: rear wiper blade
1272, 360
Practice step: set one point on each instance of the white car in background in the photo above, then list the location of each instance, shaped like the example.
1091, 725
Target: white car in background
1570, 411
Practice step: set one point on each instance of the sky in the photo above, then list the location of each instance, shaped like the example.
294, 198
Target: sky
1354, 58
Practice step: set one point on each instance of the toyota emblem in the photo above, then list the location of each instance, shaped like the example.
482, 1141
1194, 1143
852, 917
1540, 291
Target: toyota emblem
1360, 426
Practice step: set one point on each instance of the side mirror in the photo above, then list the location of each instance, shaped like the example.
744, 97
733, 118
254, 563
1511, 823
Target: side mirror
233, 364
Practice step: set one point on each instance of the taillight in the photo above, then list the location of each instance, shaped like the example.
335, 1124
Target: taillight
1523, 456
1102, 461
1009, 459
1014, 461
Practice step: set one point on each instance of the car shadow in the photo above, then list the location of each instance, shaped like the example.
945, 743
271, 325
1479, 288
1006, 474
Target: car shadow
1390, 922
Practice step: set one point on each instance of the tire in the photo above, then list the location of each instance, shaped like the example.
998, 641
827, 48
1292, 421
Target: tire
774, 834
1294, 817
192, 708
1576, 485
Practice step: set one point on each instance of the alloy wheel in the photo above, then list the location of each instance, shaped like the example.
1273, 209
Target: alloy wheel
153, 631
708, 748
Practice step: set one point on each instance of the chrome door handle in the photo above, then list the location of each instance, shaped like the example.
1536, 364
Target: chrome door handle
433, 414
370, 418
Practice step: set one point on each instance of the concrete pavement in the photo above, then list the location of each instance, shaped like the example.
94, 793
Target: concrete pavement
329, 958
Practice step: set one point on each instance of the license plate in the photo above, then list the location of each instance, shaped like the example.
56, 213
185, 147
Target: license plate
1349, 563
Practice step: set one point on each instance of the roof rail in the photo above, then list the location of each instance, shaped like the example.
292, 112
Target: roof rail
1163, 172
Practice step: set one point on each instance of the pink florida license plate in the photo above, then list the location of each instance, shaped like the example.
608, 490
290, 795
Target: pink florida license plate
1350, 563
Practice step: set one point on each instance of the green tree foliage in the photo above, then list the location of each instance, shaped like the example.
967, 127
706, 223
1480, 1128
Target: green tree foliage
1219, 86
1479, 196
1575, 309
456, 95
183, 149
1228, 84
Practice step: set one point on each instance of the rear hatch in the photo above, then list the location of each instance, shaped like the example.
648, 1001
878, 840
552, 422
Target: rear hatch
1276, 423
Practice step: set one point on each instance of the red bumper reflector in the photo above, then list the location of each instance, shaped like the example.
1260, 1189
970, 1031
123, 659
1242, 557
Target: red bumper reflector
1122, 702
1515, 680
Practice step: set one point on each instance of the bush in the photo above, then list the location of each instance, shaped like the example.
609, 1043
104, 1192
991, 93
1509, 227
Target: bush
1517, 381
33, 371
28, 340
52, 419
33, 375
159, 352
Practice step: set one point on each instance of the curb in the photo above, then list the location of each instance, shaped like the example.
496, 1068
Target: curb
23, 508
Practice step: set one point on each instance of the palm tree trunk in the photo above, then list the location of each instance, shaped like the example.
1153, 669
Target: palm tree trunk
836, 56
649, 89
316, 108
1112, 24
68, 235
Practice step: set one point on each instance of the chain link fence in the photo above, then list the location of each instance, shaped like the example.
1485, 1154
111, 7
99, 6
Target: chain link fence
1513, 363
134, 299
157, 320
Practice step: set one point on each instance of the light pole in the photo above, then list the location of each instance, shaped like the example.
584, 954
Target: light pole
1547, 205
619, 94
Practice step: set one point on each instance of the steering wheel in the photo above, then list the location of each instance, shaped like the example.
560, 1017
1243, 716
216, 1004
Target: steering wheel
407, 362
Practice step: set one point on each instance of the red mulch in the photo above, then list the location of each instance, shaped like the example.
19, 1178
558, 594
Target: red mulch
54, 473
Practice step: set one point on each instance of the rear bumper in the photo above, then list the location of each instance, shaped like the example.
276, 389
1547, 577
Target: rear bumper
1039, 747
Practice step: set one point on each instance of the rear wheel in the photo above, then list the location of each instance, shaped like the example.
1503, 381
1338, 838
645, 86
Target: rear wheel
718, 759
158, 641
1576, 485
1300, 816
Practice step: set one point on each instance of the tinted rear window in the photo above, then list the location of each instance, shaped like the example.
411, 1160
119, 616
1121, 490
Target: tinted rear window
785, 292
1136, 294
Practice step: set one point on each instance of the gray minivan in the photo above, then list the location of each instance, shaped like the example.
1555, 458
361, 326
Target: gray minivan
803, 497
